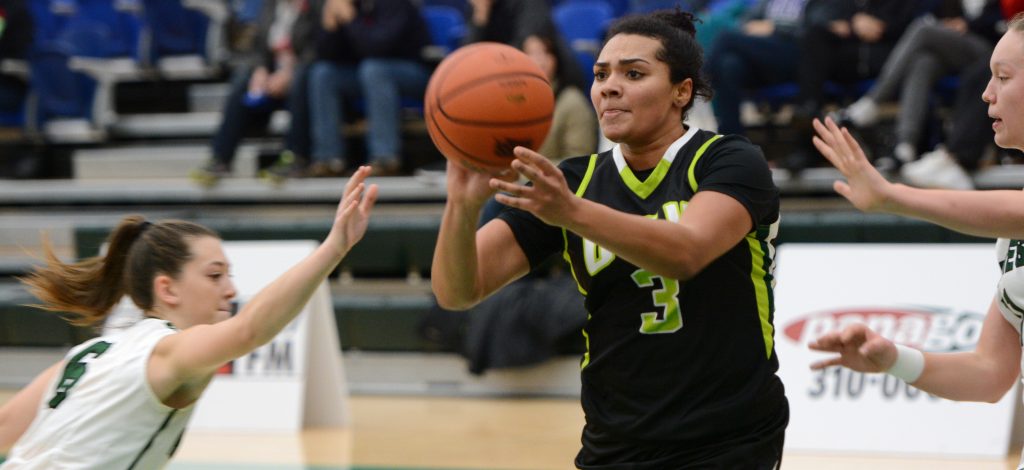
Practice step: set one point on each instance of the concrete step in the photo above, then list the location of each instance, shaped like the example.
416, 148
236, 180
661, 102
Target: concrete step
155, 161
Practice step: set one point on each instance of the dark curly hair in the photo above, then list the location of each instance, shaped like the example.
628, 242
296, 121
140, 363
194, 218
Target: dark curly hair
676, 31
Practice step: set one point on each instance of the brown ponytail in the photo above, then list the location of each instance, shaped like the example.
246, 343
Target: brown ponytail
136, 252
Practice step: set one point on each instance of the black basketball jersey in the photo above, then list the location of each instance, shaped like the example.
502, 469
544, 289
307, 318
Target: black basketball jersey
667, 360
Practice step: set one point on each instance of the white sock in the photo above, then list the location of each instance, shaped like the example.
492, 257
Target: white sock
863, 112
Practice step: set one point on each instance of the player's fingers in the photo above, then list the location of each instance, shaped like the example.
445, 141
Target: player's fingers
855, 334
827, 151
510, 201
534, 158
833, 361
357, 179
842, 188
829, 342
531, 172
369, 199
510, 188
856, 152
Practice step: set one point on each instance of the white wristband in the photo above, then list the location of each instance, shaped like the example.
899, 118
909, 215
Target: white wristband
909, 364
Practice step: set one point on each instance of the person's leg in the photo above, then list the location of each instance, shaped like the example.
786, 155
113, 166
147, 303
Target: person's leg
727, 70
820, 53
738, 62
297, 140
235, 120
970, 131
923, 70
383, 83
327, 85
896, 66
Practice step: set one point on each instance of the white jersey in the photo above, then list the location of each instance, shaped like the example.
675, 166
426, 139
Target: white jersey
1010, 291
100, 412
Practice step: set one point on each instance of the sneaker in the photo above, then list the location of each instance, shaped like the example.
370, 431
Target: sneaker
333, 168
937, 169
210, 174
902, 154
391, 167
862, 113
286, 166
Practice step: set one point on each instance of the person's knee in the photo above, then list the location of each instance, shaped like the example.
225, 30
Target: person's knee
320, 75
374, 72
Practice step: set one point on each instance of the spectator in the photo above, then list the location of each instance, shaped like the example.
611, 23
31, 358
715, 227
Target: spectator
846, 41
765, 50
969, 134
508, 21
15, 41
574, 126
273, 77
375, 54
946, 41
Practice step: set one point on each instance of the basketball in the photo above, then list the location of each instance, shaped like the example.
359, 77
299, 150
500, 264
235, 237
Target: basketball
485, 99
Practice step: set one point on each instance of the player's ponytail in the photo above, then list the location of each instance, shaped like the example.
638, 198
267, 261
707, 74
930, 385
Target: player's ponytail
137, 251
676, 30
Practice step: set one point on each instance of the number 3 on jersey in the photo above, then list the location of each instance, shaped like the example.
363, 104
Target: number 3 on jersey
670, 318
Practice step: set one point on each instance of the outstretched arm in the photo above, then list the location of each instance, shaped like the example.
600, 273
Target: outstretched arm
17, 414
985, 374
712, 223
471, 264
196, 352
994, 214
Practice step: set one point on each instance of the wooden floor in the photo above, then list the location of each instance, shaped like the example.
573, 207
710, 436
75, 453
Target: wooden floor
461, 433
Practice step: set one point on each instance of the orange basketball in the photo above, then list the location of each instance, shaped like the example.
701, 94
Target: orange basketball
485, 99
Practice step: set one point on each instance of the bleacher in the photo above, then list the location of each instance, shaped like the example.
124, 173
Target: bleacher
118, 156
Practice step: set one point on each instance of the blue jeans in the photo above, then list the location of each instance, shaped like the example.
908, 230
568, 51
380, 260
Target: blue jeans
738, 61
328, 84
385, 82
381, 83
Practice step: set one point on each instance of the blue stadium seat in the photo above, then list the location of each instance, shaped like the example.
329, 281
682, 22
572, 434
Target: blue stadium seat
447, 26
102, 29
49, 18
462, 6
173, 29
583, 24
59, 91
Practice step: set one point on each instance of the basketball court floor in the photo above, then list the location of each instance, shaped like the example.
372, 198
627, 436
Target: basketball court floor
443, 433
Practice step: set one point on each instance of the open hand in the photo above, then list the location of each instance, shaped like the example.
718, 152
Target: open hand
548, 198
865, 187
353, 214
859, 348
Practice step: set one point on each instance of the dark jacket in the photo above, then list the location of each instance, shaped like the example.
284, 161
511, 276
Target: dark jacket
989, 23
382, 29
896, 14
16, 35
512, 21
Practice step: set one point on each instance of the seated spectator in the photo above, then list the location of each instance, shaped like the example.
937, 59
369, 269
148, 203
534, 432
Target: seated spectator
273, 77
15, 41
507, 21
574, 126
845, 41
970, 133
373, 52
944, 42
764, 51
